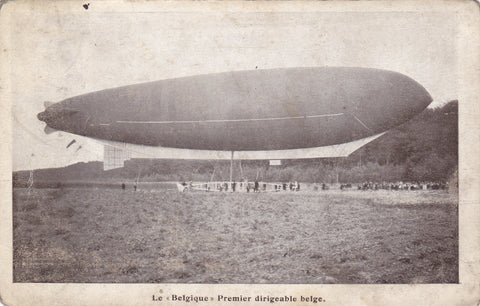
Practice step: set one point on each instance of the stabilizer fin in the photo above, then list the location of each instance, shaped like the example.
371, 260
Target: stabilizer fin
47, 104
49, 130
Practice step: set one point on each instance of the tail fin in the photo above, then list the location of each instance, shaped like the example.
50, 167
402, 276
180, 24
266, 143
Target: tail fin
48, 130
47, 104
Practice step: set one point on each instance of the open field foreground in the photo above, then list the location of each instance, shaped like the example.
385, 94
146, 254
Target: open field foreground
162, 236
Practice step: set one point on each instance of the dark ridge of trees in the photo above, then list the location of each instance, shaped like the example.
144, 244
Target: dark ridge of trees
423, 149
426, 147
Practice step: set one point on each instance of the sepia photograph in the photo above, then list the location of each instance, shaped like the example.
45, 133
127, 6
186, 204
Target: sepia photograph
242, 143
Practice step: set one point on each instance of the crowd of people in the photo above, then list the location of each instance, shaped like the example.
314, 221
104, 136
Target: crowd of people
399, 186
256, 186
242, 186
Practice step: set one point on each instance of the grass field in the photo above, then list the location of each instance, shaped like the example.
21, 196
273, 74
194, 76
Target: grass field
162, 236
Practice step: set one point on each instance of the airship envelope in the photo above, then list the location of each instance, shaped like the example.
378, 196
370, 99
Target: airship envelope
274, 110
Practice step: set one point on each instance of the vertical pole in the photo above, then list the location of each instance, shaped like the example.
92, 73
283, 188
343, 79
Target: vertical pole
241, 169
336, 167
231, 167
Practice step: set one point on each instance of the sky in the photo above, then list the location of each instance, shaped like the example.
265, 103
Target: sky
59, 50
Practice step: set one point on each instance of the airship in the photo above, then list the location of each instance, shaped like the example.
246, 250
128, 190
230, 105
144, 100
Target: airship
305, 112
